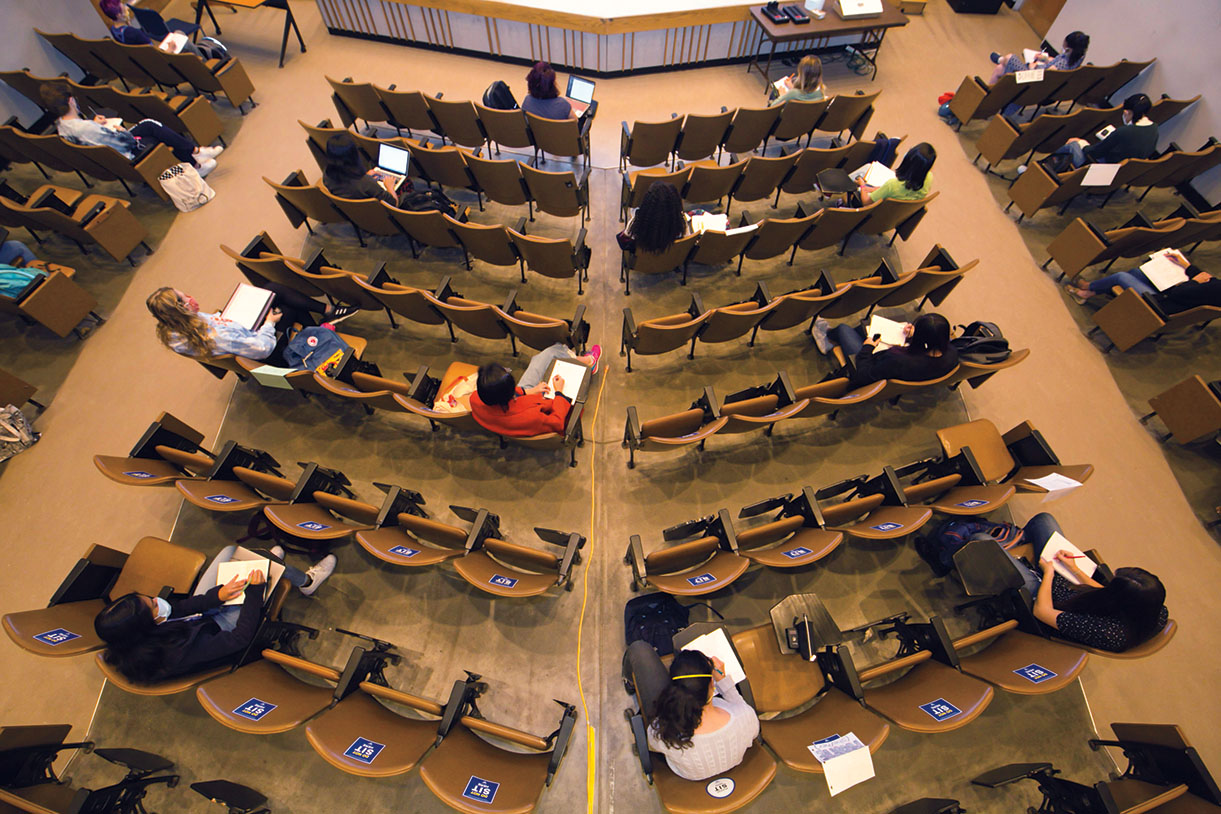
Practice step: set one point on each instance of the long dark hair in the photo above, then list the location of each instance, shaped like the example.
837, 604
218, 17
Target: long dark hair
915, 165
659, 219
930, 332
344, 160
680, 706
136, 645
1074, 46
495, 385
1133, 595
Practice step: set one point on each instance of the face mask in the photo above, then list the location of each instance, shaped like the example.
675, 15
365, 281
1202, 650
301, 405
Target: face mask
163, 610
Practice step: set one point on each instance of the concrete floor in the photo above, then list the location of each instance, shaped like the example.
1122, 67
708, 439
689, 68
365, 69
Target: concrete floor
109, 387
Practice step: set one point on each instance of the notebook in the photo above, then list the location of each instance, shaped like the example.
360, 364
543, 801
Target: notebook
573, 375
580, 93
241, 564
875, 174
1163, 272
1057, 543
893, 334
248, 306
717, 644
392, 163
705, 222
173, 42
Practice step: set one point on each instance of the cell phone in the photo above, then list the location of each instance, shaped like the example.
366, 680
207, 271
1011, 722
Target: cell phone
876, 337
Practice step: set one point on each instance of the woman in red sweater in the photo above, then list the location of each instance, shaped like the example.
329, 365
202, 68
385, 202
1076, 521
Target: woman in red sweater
522, 409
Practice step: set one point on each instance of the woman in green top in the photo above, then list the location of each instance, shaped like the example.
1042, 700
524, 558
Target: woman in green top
912, 180
806, 83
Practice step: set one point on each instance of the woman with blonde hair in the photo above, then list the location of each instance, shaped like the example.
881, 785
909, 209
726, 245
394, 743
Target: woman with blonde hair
805, 84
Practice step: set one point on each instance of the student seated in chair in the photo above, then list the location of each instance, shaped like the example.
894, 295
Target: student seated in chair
805, 84
543, 95
1135, 138
913, 179
1071, 56
122, 30
697, 718
928, 354
150, 639
523, 408
1200, 287
658, 222
99, 131
348, 174
183, 329
1116, 616
16, 253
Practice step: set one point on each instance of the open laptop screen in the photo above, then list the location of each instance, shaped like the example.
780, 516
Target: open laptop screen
392, 159
580, 89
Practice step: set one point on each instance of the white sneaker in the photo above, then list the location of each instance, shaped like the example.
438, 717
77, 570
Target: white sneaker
206, 165
210, 152
821, 329
277, 551
318, 574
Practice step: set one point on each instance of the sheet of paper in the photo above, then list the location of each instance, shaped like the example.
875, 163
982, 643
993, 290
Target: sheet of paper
845, 762
1162, 271
782, 85
272, 376
702, 223
115, 124
1032, 75
1028, 55
246, 305
894, 334
1057, 543
572, 374
241, 569
1057, 485
173, 42
875, 174
750, 227
1099, 175
717, 644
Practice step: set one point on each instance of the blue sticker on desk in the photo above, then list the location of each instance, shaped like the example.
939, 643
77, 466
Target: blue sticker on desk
794, 553
940, 709
364, 750
223, 499
886, 526
57, 636
480, 790
312, 525
404, 551
503, 582
1034, 673
826, 740
254, 709
138, 473
971, 504
702, 579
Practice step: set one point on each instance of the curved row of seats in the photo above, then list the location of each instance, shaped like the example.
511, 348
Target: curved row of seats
976, 99
762, 407
82, 218
937, 275
144, 66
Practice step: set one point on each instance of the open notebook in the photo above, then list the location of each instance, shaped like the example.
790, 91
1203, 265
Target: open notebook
1163, 272
248, 306
717, 644
875, 174
573, 375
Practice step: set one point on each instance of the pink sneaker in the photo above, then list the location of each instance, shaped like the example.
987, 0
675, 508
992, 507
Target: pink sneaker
595, 353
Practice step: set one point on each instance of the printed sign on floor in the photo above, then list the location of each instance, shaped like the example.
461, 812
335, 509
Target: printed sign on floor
364, 750
1034, 673
254, 709
794, 553
480, 790
940, 709
503, 582
404, 551
57, 636
702, 579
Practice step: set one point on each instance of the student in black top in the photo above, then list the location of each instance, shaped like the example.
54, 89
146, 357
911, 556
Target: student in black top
1200, 287
347, 174
1135, 138
927, 355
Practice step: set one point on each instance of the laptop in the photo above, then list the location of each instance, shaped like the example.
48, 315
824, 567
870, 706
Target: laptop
248, 306
392, 163
580, 93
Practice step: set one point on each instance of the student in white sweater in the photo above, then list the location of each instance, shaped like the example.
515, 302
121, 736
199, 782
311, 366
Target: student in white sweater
697, 718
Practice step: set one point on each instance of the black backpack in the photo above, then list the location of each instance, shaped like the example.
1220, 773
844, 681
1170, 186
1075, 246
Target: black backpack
655, 618
982, 343
499, 97
938, 549
429, 199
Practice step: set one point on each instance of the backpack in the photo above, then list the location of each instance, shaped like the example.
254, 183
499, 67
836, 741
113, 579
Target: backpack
938, 550
16, 281
186, 187
315, 348
655, 618
884, 149
499, 97
212, 48
983, 343
429, 199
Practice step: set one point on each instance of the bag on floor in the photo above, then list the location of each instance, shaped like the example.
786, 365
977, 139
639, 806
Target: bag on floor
315, 348
499, 97
212, 48
982, 343
186, 187
427, 199
655, 618
939, 548
16, 433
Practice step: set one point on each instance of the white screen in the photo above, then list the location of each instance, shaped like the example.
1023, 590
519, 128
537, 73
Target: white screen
580, 89
392, 159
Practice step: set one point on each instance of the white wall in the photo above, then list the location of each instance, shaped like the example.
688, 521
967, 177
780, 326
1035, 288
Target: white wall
1184, 36
23, 48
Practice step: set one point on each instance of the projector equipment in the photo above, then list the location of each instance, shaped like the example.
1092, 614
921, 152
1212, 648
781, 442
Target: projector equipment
858, 9
772, 12
797, 14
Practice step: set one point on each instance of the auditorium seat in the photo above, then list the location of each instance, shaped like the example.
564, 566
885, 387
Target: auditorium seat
669, 259
690, 427
458, 120
648, 144
797, 118
505, 128
748, 129
563, 194
701, 135
761, 177
557, 258
507, 569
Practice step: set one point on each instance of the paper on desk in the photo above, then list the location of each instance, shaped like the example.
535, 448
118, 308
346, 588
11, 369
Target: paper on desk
783, 85
1056, 485
875, 174
717, 644
1057, 543
750, 227
1028, 55
173, 42
242, 569
702, 223
894, 334
1099, 175
573, 375
1024, 77
272, 376
1162, 271
845, 762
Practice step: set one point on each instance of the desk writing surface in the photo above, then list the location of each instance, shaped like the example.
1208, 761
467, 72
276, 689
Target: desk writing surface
830, 26
239, 3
